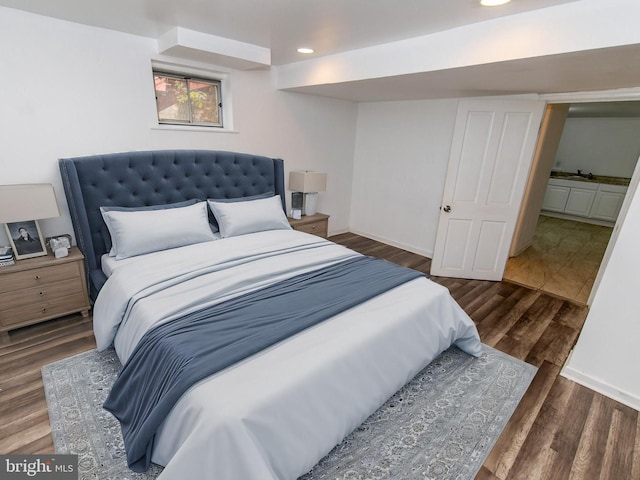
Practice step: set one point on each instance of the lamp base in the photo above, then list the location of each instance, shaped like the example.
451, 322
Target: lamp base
310, 203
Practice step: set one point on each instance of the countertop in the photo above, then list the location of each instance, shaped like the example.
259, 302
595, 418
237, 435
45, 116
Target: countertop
596, 178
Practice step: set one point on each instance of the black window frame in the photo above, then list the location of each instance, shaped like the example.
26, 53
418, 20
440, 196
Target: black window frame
188, 78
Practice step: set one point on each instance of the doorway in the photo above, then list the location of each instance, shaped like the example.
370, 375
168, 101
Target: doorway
563, 260
561, 253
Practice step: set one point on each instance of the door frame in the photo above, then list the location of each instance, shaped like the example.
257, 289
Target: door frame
619, 95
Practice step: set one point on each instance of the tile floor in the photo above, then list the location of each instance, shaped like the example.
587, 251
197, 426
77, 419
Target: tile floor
563, 260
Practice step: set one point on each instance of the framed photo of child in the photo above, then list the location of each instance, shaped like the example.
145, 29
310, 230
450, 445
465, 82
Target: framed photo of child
26, 239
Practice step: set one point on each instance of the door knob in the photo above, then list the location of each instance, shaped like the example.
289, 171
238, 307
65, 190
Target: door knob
447, 208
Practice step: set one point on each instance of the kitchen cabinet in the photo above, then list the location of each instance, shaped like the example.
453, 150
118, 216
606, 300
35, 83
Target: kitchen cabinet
555, 199
581, 199
608, 202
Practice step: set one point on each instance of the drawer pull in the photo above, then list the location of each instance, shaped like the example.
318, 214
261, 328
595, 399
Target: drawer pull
41, 293
37, 277
44, 309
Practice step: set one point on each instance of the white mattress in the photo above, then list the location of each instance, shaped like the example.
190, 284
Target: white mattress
109, 264
274, 415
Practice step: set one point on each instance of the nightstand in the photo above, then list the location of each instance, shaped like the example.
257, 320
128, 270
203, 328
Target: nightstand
41, 288
317, 224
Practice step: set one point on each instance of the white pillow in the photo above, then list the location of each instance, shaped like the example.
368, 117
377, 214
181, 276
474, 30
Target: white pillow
138, 232
107, 241
239, 218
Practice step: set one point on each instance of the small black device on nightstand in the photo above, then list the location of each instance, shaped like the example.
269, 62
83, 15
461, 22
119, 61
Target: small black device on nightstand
296, 200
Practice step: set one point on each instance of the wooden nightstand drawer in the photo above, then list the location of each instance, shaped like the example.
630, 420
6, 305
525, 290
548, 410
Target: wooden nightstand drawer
39, 294
317, 224
317, 228
37, 276
53, 307
41, 288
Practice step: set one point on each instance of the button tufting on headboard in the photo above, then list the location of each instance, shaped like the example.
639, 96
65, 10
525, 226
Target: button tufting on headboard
134, 179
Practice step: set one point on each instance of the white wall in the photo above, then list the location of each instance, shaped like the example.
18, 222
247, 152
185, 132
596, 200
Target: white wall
402, 151
401, 156
543, 158
69, 90
602, 146
606, 357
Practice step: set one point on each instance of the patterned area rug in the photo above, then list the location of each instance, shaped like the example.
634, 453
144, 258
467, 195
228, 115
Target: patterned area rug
441, 425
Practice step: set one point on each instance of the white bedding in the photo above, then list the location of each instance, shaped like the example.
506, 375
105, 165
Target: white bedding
109, 263
274, 415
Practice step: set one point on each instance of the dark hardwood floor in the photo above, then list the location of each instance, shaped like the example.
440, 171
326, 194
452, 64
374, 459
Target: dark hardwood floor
560, 430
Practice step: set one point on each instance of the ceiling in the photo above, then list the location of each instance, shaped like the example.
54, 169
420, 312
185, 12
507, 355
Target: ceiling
338, 26
328, 26
601, 69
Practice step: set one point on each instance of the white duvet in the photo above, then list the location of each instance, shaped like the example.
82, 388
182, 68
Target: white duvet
277, 413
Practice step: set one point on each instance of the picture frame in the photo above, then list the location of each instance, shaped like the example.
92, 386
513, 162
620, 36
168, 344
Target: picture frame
26, 239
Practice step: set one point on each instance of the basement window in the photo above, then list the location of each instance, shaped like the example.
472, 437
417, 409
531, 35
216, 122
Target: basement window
186, 100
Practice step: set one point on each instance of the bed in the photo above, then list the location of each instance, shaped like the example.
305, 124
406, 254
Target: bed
266, 404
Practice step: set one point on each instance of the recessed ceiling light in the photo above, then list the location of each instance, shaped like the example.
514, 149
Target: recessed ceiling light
305, 50
493, 3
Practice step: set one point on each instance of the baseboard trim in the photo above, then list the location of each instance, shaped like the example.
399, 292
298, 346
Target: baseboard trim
602, 387
521, 249
339, 231
565, 216
394, 243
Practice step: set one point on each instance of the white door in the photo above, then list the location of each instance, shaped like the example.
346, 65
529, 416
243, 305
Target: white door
491, 153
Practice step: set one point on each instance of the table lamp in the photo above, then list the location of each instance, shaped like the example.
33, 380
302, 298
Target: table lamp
21, 206
309, 184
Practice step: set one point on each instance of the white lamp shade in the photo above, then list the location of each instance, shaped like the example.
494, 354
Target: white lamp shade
307, 181
27, 202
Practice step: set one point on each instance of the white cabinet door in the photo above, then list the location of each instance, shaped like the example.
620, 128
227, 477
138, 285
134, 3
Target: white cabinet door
607, 205
580, 201
556, 198
584, 199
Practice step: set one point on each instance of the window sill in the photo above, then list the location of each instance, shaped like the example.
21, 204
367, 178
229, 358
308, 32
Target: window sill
194, 128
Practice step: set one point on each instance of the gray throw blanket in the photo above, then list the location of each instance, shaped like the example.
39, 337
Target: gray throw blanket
172, 357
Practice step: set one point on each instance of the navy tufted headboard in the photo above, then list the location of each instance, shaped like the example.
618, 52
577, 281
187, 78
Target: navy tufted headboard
136, 179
